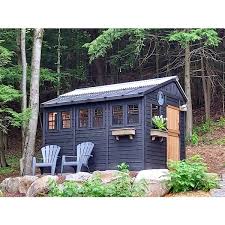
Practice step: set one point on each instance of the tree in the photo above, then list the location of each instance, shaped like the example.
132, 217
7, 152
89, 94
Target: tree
24, 78
209, 37
29, 146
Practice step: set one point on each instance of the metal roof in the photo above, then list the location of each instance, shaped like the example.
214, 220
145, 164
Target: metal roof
108, 92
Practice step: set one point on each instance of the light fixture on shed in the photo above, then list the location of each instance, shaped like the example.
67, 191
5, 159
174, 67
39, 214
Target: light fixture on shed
183, 108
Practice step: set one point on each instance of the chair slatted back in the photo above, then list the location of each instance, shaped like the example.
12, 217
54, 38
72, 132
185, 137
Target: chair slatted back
50, 153
84, 151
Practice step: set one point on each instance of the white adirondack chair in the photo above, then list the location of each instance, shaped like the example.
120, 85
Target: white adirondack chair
83, 154
49, 154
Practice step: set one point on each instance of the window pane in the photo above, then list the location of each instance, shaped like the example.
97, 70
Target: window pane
155, 110
133, 114
117, 115
98, 117
83, 116
66, 120
52, 120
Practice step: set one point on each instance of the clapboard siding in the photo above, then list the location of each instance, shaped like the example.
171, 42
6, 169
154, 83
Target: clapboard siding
98, 136
155, 151
125, 149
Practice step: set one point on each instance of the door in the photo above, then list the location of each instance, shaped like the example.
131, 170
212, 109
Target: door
173, 139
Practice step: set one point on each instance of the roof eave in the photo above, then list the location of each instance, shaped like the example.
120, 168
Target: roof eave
44, 105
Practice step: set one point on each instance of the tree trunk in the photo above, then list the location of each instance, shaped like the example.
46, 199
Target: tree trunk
24, 80
187, 83
58, 61
205, 91
157, 58
3, 146
100, 66
18, 47
29, 147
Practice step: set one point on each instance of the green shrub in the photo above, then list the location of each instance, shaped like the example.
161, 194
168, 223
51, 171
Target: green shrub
190, 174
194, 138
122, 186
123, 167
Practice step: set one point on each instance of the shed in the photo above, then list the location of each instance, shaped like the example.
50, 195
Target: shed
117, 118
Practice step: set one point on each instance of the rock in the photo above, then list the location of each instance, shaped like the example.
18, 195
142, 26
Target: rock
107, 176
11, 184
25, 183
157, 181
40, 186
78, 177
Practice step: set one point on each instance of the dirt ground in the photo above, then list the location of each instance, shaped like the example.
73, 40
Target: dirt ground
213, 156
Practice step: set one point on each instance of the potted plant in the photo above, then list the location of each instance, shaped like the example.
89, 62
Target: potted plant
159, 127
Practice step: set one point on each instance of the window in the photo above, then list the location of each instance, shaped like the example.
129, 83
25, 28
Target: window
155, 110
52, 120
83, 117
117, 115
66, 120
133, 114
98, 117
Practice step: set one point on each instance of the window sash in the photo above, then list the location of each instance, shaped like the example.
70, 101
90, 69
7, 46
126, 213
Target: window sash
117, 115
98, 117
52, 120
66, 120
133, 113
83, 118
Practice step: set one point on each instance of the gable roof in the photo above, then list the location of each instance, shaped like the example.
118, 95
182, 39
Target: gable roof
111, 92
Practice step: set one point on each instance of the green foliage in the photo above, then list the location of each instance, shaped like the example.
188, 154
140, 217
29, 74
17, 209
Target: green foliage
123, 167
13, 75
208, 36
121, 186
8, 94
194, 139
190, 174
159, 122
13, 161
5, 55
104, 42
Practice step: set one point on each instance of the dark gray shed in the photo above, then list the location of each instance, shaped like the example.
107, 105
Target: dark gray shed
117, 119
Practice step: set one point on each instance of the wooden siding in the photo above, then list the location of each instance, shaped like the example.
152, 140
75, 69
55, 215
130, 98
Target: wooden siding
155, 151
125, 149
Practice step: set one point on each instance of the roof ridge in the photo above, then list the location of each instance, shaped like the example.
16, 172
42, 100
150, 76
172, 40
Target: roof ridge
118, 86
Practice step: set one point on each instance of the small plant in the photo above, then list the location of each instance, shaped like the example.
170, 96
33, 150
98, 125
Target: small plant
121, 186
190, 174
159, 122
123, 167
194, 139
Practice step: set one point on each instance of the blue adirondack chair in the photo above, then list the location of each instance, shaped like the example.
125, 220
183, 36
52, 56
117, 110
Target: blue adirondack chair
49, 154
83, 154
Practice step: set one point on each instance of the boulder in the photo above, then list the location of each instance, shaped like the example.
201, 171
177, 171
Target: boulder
10, 184
40, 186
78, 177
157, 181
107, 175
25, 182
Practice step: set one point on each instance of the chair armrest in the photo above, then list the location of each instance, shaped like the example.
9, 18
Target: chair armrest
89, 155
69, 156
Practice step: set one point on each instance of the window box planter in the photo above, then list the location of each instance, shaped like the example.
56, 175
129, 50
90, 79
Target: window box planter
156, 133
123, 132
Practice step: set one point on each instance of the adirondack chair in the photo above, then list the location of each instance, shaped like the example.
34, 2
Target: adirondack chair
49, 154
83, 154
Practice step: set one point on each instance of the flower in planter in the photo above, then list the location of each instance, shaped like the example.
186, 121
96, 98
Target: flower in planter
159, 122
